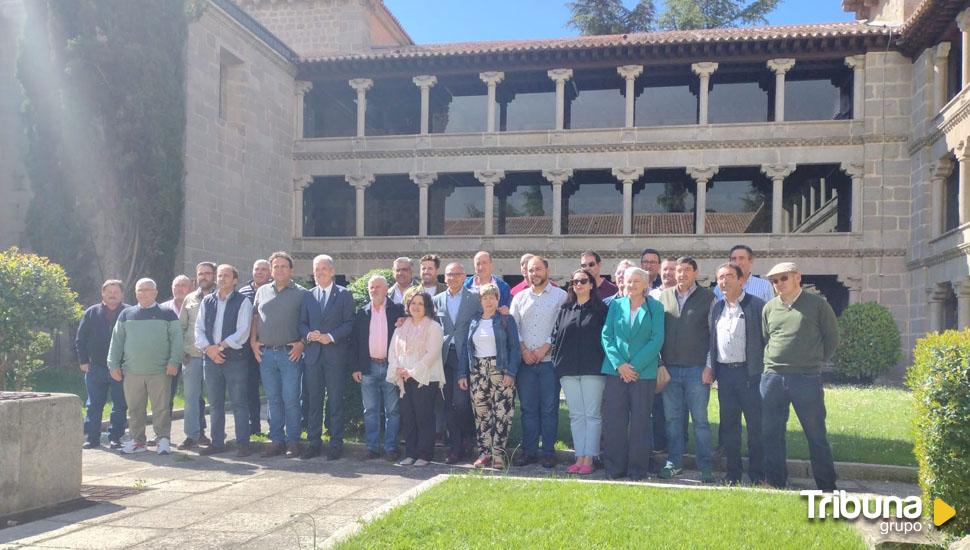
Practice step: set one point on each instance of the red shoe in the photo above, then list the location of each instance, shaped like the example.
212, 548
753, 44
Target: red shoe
574, 469
584, 470
483, 461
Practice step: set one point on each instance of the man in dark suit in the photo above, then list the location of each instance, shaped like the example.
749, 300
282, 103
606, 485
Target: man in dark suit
455, 308
328, 320
373, 328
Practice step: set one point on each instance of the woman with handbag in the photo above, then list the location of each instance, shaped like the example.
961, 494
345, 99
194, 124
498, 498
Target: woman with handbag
632, 337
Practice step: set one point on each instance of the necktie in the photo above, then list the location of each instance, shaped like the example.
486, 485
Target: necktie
324, 301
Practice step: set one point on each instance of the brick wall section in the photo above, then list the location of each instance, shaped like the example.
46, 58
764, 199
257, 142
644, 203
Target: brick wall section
239, 174
314, 27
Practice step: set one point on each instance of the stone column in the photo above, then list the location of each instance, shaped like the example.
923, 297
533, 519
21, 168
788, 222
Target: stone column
423, 180
934, 315
489, 178
963, 21
560, 76
425, 82
361, 85
300, 90
854, 284
628, 176
858, 65
962, 153
360, 183
491, 79
780, 66
300, 183
777, 174
940, 55
857, 172
962, 289
630, 74
941, 170
701, 175
557, 178
704, 71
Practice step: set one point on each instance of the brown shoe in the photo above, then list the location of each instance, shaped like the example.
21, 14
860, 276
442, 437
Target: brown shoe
273, 449
292, 450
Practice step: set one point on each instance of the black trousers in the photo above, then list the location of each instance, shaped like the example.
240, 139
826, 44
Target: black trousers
627, 427
739, 393
458, 408
659, 423
417, 419
323, 379
252, 393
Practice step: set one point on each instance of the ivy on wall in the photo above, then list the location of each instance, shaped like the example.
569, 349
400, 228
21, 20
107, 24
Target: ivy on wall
104, 82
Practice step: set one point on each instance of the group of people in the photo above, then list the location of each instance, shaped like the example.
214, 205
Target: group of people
635, 359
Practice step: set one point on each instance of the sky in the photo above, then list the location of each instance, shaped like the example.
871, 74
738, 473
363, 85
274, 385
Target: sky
431, 21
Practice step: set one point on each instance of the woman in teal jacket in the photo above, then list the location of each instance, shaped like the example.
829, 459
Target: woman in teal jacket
632, 338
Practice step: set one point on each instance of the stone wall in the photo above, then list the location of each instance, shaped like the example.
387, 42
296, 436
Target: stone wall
238, 147
14, 186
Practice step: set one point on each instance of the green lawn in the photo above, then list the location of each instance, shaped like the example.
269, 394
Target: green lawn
486, 512
69, 381
871, 425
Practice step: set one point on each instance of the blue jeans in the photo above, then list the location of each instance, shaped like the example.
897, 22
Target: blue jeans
686, 393
281, 379
584, 395
378, 394
804, 392
539, 397
232, 375
192, 381
99, 384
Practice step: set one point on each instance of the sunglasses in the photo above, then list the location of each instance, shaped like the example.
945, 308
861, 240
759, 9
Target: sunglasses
589, 265
577, 282
776, 280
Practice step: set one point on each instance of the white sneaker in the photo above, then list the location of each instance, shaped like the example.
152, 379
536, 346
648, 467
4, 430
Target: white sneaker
406, 462
164, 447
421, 462
130, 447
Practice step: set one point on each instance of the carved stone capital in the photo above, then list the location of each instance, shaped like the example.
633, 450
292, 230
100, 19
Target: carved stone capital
705, 68
490, 178
856, 61
962, 150
362, 181
941, 51
302, 87
702, 174
774, 171
560, 75
963, 20
627, 175
423, 179
629, 72
492, 77
854, 169
302, 182
781, 65
942, 168
557, 176
425, 81
361, 84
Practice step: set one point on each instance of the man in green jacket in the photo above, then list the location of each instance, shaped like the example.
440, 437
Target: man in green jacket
146, 346
801, 334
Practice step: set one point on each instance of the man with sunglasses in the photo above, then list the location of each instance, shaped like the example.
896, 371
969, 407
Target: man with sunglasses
591, 261
801, 334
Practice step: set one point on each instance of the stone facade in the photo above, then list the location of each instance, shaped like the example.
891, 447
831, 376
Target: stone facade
14, 186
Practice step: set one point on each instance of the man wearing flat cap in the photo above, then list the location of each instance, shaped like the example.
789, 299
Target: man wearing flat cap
801, 334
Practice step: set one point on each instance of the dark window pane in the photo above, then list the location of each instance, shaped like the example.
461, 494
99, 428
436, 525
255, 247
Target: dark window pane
592, 204
738, 201
666, 106
524, 205
532, 111
455, 204
951, 200
739, 94
663, 204
329, 208
954, 70
817, 199
595, 100
330, 110
393, 108
812, 100
458, 105
391, 207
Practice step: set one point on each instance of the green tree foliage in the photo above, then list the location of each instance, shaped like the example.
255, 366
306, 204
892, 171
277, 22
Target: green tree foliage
592, 17
595, 17
869, 342
36, 299
104, 82
940, 380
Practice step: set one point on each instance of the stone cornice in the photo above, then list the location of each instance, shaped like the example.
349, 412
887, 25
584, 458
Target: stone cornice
565, 149
952, 115
939, 258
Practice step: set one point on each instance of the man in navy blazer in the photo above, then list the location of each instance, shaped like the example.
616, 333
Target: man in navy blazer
327, 321
455, 308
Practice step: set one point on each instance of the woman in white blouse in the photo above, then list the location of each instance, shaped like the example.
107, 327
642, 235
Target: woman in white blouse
414, 366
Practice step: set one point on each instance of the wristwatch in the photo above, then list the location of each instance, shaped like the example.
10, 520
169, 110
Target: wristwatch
222, 348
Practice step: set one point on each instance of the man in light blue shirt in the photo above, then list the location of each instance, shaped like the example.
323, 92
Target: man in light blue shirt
743, 257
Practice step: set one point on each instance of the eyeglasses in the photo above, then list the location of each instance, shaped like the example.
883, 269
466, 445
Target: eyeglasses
454, 274
776, 280
649, 262
589, 265
577, 282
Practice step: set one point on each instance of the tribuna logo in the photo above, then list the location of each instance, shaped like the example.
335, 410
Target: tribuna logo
840, 504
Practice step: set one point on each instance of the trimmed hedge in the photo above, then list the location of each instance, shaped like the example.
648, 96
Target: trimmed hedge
940, 380
869, 343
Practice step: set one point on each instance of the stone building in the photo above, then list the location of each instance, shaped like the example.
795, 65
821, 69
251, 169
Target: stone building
838, 146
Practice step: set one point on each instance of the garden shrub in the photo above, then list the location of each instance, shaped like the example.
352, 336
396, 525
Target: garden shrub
940, 380
869, 343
